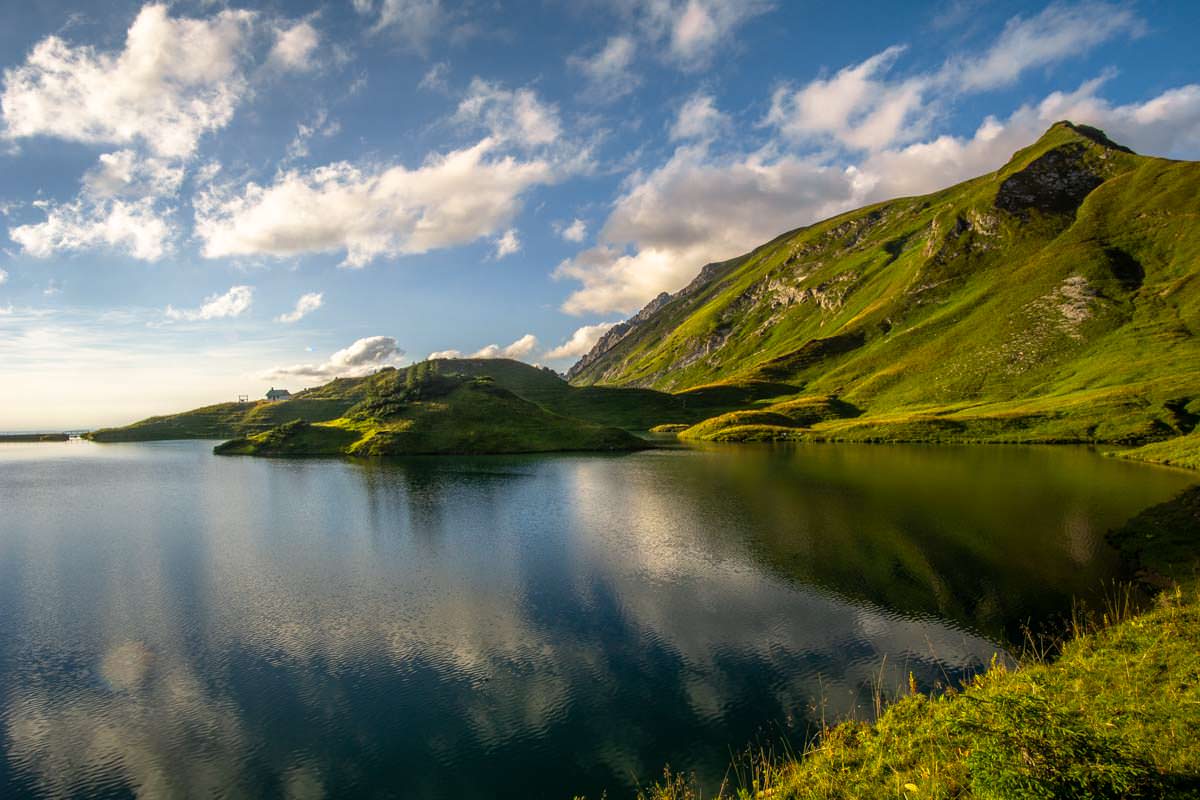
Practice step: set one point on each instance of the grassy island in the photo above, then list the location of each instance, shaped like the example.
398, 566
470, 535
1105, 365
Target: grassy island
420, 411
34, 437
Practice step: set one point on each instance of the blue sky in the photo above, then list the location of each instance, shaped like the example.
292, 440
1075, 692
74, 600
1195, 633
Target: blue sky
202, 199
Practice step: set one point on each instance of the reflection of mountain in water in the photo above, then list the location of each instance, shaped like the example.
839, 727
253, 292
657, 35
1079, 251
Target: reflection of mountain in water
479, 627
990, 538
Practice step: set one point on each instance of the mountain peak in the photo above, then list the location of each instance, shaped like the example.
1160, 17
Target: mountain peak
1094, 135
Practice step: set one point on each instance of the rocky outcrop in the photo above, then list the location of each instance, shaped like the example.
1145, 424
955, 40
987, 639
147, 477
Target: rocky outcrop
1054, 183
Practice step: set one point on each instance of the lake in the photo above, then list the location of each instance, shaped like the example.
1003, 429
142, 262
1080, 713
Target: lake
176, 624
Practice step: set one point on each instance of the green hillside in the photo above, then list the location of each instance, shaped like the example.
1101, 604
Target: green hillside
1056, 299
421, 411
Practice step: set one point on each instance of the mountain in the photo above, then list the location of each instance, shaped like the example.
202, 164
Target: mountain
1056, 299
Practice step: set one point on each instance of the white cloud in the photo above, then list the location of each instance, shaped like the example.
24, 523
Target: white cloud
320, 125
1059, 31
125, 174
414, 22
862, 107
575, 232
698, 118
508, 244
233, 303
607, 72
512, 116
3, 277
307, 304
174, 80
698, 207
693, 30
123, 206
580, 343
517, 350
368, 212
365, 356
295, 47
134, 227
857, 107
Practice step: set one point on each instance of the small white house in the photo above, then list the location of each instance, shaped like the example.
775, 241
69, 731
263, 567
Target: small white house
278, 394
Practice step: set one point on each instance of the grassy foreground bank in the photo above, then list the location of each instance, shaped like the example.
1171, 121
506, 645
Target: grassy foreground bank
1114, 714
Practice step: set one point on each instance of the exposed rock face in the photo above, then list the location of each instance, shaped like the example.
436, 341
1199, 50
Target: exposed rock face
1055, 183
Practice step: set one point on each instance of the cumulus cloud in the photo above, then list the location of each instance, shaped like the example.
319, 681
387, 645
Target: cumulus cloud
508, 243
517, 350
365, 356
367, 212
295, 47
580, 343
126, 174
131, 227
123, 206
232, 303
698, 118
3, 277
607, 71
174, 80
857, 107
575, 232
511, 116
307, 304
701, 207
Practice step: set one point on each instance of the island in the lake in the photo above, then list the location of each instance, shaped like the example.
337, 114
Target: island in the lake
1052, 301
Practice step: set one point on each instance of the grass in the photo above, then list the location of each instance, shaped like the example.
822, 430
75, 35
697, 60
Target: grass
1114, 712
1183, 451
226, 420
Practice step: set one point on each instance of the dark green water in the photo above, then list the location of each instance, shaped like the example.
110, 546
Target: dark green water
173, 624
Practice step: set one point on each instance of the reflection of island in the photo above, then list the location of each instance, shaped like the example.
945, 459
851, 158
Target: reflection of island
454, 627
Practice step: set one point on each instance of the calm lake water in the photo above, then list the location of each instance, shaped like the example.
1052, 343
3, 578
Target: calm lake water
174, 624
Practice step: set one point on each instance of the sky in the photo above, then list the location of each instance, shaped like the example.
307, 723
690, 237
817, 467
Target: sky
200, 200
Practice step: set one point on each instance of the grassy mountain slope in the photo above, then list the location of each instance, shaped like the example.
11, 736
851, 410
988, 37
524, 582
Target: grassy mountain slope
414, 412
1056, 299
